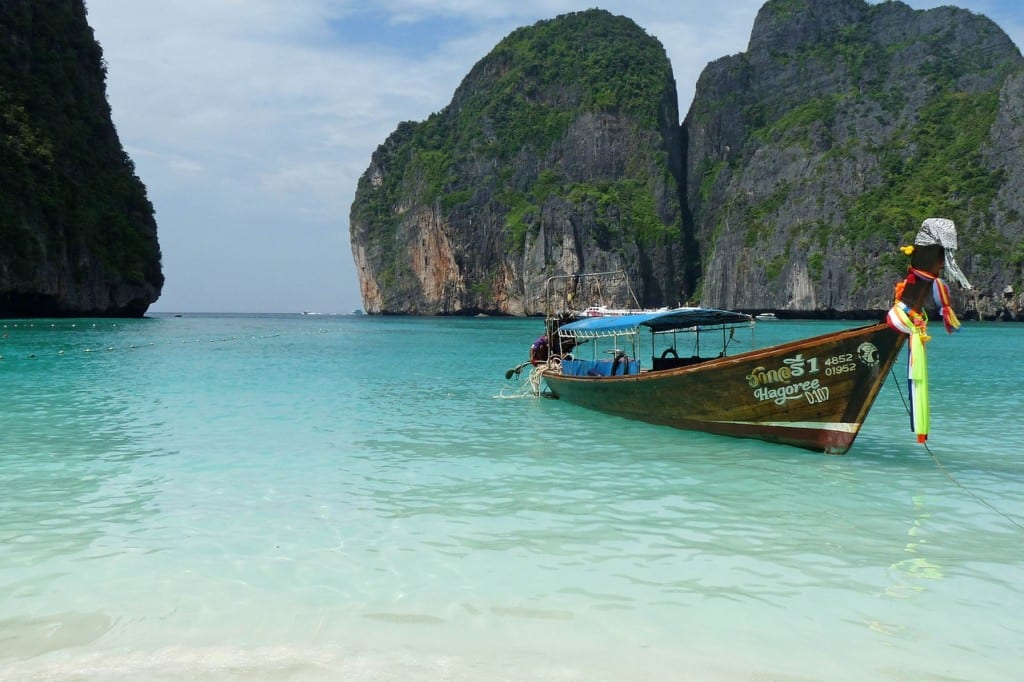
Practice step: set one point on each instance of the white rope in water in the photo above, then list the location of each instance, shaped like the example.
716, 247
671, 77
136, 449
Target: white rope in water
532, 387
535, 378
947, 473
526, 389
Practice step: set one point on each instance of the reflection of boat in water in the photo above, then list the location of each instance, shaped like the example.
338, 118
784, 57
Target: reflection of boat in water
765, 317
813, 393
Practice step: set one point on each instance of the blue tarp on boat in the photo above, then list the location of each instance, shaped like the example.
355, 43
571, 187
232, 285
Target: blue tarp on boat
599, 368
678, 318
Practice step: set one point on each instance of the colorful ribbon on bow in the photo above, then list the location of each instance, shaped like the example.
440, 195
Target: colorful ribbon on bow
933, 232
915, 324
940, 294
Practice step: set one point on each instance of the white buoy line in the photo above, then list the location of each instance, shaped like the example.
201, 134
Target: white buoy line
66, 352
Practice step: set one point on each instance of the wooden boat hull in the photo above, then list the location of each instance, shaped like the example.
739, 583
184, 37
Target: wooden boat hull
814, 393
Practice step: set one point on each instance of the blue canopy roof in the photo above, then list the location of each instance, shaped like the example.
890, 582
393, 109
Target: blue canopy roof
677, 318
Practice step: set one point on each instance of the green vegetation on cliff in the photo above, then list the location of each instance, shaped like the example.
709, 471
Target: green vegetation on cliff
71, 203
819, 151
522, 97
540, 77
932, 167
570, 121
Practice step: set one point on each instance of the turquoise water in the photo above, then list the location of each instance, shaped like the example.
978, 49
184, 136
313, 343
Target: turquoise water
288, 497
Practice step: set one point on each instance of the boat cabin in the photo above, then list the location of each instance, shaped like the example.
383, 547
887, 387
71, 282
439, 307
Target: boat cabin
620, 345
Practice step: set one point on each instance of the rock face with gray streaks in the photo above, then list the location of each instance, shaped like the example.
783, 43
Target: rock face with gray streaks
560, 152
77, 233
800, 168
813, 155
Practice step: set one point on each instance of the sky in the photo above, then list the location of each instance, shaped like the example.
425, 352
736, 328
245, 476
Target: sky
250, 121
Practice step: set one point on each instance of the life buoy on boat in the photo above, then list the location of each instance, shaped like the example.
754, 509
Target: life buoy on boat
669, 351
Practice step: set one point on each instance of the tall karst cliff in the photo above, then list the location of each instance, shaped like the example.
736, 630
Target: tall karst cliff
77, 232
801, 166
813, 154
559, 152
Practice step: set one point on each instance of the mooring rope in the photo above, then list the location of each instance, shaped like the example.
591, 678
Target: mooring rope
535, 378
947, 473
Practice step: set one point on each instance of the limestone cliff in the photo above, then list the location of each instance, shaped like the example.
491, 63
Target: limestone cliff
559, 152
77, 232
802, 165
812, 155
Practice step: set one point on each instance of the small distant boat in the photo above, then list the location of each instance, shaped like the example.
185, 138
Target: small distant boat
765, 317
814, 393
605, 311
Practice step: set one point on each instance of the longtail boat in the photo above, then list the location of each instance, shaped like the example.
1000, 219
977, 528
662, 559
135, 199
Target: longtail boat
814, 393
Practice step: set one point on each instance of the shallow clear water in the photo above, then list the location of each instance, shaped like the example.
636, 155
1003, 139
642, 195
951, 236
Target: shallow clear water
288, 497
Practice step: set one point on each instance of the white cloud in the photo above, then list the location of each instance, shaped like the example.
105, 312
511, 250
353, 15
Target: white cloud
250, 121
